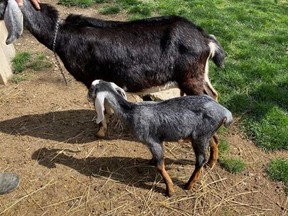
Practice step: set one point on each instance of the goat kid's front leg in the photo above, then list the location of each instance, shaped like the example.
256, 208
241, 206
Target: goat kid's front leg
103, 126
102, 129
168, 181
157, 153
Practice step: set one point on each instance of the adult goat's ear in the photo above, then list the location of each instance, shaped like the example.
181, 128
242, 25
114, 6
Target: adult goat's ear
119, 90
3, 5
99, 106
13, 19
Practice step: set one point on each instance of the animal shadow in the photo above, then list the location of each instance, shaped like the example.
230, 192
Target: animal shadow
135, 171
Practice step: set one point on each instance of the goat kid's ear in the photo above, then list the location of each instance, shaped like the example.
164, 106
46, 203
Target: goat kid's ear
13, 19
119, 90
99, 106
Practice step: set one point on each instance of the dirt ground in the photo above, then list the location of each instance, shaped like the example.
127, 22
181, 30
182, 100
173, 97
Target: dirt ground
47, 136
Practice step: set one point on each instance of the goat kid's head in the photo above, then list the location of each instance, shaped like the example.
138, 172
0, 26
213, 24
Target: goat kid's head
13, 18
97, 93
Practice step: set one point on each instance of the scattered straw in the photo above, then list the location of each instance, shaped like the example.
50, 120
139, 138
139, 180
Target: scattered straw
33, 199
27, 195
90, 152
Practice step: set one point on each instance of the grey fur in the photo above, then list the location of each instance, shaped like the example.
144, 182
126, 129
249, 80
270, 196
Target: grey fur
193, 117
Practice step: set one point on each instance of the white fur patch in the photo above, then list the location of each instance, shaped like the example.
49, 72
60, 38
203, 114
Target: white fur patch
213, 48
95, 82
119, 90
99, 106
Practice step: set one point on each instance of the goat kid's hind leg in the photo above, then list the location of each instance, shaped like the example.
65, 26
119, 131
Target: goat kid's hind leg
158, 160
214, 152
199, 150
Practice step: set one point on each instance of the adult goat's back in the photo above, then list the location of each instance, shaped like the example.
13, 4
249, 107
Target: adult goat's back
136, 55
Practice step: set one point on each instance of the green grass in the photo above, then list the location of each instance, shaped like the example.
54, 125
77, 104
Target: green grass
232, 165
78, 3
39, 63
229, 163
278, 170
26, 60
17, 78
223, 147
110, 10
19, 61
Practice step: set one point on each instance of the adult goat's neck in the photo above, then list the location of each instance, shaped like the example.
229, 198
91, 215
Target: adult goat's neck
40, 23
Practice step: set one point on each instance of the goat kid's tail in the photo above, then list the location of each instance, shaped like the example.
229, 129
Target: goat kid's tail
216, 51
228, 119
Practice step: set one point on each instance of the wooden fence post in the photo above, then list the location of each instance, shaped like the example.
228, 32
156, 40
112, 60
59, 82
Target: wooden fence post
7, 52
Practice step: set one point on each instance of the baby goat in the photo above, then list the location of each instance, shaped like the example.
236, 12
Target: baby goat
196, 118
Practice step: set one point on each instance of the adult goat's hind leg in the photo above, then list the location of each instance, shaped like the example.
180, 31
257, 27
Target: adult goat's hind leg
158, 159
192, 80
199, 147
208, 88
192, 86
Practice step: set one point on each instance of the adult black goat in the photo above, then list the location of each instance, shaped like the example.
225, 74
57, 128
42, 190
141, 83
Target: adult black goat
135, 55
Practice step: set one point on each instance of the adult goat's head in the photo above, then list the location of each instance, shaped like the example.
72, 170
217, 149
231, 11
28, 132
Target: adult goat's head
13, 18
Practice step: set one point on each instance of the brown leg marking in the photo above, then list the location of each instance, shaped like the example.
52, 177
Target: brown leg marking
199, 146
194, 178
167, 179
213, 151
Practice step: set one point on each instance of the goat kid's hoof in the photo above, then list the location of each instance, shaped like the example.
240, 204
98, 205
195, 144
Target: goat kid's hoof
101, 133
152, 162
169, 193
211, 164
188, 186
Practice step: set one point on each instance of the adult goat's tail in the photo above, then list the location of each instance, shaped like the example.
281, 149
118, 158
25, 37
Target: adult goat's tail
217, 53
